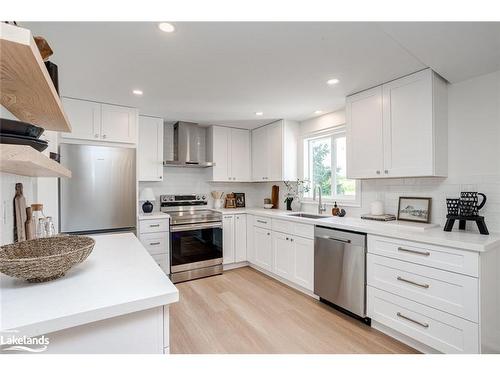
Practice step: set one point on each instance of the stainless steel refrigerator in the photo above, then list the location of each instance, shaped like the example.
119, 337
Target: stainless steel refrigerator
101, 194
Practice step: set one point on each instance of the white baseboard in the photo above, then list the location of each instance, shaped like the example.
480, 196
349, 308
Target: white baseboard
232, 266
404, 339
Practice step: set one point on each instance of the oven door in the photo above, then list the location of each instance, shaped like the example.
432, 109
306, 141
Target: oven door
195, 246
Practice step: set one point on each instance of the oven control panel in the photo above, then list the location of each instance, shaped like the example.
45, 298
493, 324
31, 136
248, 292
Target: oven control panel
183, 200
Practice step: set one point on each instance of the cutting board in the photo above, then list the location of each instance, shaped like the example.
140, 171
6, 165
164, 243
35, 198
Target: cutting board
19, 214
275, 196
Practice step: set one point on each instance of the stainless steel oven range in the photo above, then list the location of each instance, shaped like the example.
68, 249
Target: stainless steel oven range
195, 237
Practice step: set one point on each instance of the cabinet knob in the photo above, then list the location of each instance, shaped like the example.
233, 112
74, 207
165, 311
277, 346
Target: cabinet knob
160, 177
291, 239
378, 172
96, 135
104, 136
268, 233
287, 238
386, 171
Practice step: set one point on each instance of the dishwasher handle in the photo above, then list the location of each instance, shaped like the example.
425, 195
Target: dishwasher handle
335, 239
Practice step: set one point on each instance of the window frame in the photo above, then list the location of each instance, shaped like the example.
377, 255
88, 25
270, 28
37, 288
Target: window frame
334, 133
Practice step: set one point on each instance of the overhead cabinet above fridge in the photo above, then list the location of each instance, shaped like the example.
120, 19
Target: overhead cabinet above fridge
399, 129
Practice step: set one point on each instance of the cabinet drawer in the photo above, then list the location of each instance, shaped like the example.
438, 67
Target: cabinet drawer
149, 226
262, 222
441, 331
163, 261
297, 229
445, 258
155, 243
450, 292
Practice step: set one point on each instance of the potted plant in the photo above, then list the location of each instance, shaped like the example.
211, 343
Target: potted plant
295, 191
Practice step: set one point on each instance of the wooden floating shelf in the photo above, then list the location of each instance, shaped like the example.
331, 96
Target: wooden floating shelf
26, 88
26, 161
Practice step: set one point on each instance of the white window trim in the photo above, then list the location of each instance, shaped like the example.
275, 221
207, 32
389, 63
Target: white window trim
334, 130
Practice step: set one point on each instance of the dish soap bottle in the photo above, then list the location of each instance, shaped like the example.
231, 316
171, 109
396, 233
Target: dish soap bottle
335, 209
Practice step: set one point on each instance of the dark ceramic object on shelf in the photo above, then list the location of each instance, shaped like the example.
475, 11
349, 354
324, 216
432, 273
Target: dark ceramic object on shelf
19, 128
147, 207
37, 144
288, 202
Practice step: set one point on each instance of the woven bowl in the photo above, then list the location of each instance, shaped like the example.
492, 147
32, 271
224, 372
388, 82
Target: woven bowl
44, 259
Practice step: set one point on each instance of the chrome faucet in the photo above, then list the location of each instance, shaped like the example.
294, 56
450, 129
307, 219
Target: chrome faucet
321, 205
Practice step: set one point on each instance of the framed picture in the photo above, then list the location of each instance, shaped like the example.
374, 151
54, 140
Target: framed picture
415, 209
240, 199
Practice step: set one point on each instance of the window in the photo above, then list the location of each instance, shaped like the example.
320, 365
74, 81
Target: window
325, 166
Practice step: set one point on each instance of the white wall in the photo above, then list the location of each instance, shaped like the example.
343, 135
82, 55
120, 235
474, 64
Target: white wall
473, 153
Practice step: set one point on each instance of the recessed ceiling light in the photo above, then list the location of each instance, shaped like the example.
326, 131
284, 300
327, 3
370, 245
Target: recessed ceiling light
166, 27
137, 92
259, 113
318, 112
332, 81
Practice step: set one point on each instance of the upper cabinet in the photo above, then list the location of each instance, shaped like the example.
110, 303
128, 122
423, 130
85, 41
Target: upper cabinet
274, 151
229, 149
101, 122
398, 129
150, 149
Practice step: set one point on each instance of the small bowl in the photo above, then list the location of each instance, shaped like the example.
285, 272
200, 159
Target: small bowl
268, 205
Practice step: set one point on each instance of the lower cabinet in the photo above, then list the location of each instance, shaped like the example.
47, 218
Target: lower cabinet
234, 231
228, 239
155, 237
303, 262
263, 248
283, 256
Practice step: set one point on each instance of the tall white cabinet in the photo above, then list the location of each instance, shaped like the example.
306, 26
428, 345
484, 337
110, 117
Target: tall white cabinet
150, 149
100, 122
398, 129
234, 232
274, 151
229, 149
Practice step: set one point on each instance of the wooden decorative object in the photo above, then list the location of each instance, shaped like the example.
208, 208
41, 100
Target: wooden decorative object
26, 161
29, 225
230, 201
44, 259
19, 214
43, 47
275, 194
27, 89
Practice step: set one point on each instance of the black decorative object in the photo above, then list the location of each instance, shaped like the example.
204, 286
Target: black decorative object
465, 209
53, 73
19, 128
147, 207
288, 201
240, 199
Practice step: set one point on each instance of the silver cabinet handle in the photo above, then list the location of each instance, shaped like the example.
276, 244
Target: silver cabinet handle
424, 253
426, 286
425, 325
154, 243
154, 225
262, 221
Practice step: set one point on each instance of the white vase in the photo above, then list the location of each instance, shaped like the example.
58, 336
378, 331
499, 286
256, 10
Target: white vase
218, 203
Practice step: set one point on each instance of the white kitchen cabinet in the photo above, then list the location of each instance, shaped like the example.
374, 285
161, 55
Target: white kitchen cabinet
263, 248
240, 238
84, 117
250, 238
100, 122
303, 262
398, 129
229, 149
283, 255
274, 151
154, 234
228, 239
150, 149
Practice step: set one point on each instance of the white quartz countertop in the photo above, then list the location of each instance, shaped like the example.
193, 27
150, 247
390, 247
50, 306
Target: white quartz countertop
396, 229
153, 216
119, 277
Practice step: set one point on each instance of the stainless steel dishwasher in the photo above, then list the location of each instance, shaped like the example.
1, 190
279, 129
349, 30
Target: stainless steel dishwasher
340, 269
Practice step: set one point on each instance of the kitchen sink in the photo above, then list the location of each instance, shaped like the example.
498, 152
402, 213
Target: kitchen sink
307, 216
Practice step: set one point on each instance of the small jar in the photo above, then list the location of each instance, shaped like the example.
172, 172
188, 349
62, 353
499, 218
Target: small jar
40, 228
50, 230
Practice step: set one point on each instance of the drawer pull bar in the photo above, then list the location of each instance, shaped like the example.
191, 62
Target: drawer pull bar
154, 225
154, 243
425, 325
426, 286
425, 253
262, 221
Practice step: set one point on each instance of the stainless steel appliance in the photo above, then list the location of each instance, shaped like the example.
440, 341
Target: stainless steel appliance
195, 237
100, 196
340, 269
190, 148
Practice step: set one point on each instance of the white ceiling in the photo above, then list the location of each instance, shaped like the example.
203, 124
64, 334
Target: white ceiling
222, 73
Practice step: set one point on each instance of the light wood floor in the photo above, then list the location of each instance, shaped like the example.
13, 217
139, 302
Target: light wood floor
245, 311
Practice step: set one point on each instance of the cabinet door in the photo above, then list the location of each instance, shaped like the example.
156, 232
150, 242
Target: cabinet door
259, 154
240, 238
408, 126
220, 152
239, 159
118, 124
250, 239
364, 129
228, 239
150, 149
84, 117
303, 262
275, 151
283, 255
263, 248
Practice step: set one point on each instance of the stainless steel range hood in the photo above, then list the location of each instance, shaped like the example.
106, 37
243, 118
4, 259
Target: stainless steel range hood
190, 149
